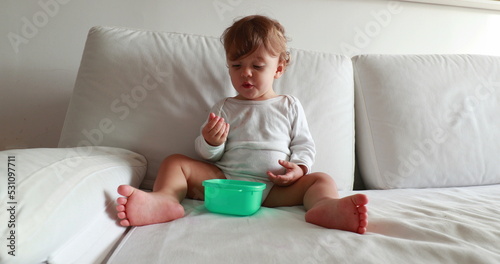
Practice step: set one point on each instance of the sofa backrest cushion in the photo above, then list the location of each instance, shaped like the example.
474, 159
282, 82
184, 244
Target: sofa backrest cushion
150, 92
427, 120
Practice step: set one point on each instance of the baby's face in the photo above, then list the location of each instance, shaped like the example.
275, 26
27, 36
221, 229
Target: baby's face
253, 76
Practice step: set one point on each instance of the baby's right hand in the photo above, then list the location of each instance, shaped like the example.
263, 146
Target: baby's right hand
215, 131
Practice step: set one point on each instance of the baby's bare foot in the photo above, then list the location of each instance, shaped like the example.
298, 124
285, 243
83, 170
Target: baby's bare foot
140, 208
349, 213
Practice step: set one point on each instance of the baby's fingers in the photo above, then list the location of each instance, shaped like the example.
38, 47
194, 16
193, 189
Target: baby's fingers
212, 122
281, 180
226, 132
213, 125
219, 129
287, 164
219, 133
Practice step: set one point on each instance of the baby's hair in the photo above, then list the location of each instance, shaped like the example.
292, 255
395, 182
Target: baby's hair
249, 33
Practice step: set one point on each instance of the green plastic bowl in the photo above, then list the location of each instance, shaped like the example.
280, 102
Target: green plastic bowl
233, 197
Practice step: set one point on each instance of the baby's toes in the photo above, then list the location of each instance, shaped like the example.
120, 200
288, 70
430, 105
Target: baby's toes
362, 209
363, 221
125, 190
124, 222
121, 215
121, 201
120, 208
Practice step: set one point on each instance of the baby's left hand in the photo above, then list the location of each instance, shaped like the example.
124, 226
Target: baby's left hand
292, 174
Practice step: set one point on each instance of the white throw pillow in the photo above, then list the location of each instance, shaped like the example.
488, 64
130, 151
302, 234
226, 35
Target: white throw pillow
58, 205
427, 120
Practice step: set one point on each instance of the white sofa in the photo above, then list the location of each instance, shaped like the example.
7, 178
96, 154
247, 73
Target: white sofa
423, 128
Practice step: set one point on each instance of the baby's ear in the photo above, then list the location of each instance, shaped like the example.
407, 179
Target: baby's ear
280, 70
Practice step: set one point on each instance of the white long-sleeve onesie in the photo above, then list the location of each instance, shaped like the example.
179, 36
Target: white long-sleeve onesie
261, 133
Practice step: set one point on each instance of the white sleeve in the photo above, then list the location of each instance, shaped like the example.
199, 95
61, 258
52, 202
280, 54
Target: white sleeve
302, 145
208, 152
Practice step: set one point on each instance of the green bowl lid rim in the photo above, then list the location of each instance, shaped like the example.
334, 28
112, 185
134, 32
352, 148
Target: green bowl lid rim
234, 184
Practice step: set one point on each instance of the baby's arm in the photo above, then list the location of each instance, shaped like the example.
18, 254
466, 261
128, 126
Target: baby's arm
302, 145
292, 174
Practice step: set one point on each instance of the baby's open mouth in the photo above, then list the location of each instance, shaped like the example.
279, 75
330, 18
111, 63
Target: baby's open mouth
247, 85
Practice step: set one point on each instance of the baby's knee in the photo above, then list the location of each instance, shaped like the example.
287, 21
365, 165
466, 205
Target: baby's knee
175, 158
321, 176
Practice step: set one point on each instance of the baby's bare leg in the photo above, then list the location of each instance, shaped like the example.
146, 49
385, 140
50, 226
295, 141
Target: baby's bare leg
318, 193
179, 176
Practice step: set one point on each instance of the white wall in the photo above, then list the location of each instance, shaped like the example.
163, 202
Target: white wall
42, 41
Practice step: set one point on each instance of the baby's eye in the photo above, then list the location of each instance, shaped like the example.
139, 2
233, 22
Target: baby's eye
258, 67
235, 65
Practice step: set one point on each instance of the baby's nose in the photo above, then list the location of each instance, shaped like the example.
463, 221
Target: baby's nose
247, 72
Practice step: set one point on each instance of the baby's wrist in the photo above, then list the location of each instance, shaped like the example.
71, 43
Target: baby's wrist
304, 169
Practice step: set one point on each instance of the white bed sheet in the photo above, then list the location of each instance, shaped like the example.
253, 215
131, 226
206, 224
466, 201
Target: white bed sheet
447, 225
